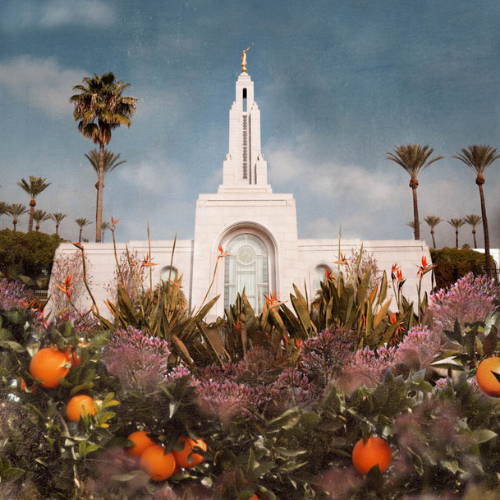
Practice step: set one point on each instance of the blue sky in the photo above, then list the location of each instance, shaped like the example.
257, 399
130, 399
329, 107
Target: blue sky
339, 84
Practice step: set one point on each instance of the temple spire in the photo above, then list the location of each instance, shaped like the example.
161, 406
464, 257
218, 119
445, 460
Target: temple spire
244, 168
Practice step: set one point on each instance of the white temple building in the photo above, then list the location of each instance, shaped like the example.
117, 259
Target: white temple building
256, 226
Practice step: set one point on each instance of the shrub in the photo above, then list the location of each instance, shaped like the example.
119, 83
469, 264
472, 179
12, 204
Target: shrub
454, 263
28, 255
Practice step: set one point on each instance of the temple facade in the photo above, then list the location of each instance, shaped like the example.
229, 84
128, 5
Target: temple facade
256, 230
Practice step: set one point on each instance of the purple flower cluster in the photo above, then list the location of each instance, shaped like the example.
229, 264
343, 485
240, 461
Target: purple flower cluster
139, 361
419, 348
325, 354
366, 367
13, 295
470, 299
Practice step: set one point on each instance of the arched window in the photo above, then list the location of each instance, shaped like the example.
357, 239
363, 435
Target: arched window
247, 268
319, 275
168, 273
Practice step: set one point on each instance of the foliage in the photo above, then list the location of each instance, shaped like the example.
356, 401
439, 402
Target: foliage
452, 264
27, 256
280, 401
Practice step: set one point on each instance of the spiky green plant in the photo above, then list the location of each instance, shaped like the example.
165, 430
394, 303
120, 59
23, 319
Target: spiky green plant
413, 158
33, 187
99, 108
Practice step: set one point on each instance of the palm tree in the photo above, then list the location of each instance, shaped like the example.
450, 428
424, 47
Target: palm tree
15, 211
111, 161
57, 217
104, 226
3, 208
82, 222
40, 216
480, 158
473, 220
413, 158
433, 221
99, 108
34, 187
457, 224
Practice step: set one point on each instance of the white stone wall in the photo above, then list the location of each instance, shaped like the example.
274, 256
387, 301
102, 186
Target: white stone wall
102, 265
406, 253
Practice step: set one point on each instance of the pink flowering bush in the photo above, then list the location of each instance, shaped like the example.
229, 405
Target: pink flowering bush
139, 361
468, 300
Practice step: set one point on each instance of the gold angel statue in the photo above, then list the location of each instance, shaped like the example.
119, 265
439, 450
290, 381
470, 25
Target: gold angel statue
244, 60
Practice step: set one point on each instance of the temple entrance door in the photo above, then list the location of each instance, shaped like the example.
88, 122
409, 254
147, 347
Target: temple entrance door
247, 268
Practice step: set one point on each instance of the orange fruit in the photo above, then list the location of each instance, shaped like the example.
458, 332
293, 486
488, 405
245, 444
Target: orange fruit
157, 463
368, 453
80, 405
254, 497
141, 441
185, 457
485, 376
49, 366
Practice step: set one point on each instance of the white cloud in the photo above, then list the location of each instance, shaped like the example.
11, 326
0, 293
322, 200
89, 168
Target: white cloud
333, 180
47, 14
41, 83
155, 177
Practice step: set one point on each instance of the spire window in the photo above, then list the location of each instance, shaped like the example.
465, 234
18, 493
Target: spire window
244, 100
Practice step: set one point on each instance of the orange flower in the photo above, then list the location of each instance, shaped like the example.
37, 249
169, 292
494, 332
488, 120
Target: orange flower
114, 222
424, 268
399, 275
328, 274
78, 245
237, 325
342, 260
222, 253
66, 288
147, 262
393, 318
298, 343
272, 300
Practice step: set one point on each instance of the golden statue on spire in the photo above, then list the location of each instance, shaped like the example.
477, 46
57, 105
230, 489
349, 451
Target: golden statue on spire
244, 60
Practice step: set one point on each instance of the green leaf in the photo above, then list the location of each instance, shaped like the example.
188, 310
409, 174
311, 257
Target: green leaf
483, 435
13, 346
12, 474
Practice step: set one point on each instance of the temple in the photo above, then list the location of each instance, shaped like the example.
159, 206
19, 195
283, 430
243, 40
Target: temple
254, 226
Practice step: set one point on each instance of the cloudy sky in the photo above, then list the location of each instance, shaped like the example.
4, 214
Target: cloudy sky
339, 83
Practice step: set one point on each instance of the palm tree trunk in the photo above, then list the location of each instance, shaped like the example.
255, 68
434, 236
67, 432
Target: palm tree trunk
57, 229
80, 235
474, 238
14, 223
485, 230
100, 182
456, 238
433, 239
32, 213
37, 228
416, 221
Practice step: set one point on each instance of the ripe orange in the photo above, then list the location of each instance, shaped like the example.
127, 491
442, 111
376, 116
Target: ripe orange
158, 464
254, 497
141, 441
185, 457
80, 405
485, 376
49, 366
373, 451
